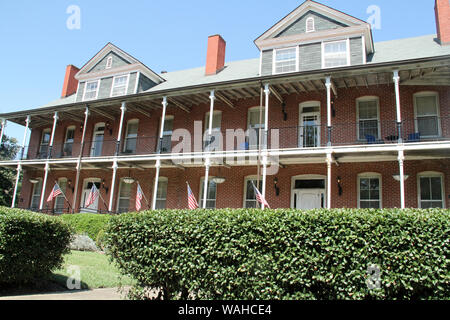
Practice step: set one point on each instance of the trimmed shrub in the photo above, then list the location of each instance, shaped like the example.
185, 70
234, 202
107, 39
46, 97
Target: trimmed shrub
31, 245
87, 223
284, 254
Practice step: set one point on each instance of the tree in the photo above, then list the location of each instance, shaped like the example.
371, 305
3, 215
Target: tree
8, 151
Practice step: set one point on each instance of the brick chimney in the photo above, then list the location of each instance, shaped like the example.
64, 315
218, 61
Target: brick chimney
442, 9
215, 56
70, 83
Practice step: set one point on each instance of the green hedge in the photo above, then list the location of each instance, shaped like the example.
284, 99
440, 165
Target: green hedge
31, 245
87, 223
284, 254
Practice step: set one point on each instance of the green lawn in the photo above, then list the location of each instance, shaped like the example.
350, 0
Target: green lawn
96, 271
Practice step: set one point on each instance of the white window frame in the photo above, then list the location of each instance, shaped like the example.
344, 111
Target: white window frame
132, 121
438, 109
202, 184
431, 174
307, 30
38, 195
347, 53
166, 180
109, 61
370, 175
96, 93
274, 59
261, 125
168, 132
126, 85
59, 197
121, 184
244, 198
364, 99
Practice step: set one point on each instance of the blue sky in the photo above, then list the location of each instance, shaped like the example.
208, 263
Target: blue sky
164, 34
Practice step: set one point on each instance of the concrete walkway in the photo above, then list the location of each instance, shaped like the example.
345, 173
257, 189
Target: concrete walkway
96, 294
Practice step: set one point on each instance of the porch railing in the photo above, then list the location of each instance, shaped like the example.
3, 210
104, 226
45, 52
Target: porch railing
364, 132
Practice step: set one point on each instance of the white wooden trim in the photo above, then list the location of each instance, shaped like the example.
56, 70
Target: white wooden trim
138, 75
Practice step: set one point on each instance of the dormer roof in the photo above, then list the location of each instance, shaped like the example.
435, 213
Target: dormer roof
340, 24
124, 63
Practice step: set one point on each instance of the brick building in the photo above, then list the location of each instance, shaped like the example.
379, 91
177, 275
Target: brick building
324, 117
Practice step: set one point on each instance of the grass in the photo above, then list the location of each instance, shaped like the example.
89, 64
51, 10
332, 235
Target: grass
96, 271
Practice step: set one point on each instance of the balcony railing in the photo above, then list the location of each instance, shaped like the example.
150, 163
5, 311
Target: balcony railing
368, 132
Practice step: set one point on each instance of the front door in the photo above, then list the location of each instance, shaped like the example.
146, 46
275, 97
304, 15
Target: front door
309, 133
309, 199
93, 208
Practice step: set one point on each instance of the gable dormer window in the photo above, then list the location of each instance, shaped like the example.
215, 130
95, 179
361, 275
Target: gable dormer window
310, 25
108, 63
285, 60
336, 54
91, 90
120, 85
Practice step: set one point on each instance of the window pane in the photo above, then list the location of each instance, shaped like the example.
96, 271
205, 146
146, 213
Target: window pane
425, 189
436, 188
426, 106
254, 118
285, 60
428, 126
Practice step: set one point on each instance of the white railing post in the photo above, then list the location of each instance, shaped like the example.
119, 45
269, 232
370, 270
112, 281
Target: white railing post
113, 184
19, 170
123, 109
328, 87
207, 158
396, 79
401, 160
329, 161
266, 142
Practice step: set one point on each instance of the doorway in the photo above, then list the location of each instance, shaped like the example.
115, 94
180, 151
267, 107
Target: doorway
309, 125
308, 193
97, 140
87, 186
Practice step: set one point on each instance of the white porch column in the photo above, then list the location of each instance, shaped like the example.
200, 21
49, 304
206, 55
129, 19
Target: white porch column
328, 86
396, 79
52, 138
266, 141
401, 159
113, 184
77, 178
123, 109
329, 161
19, 166
19, 170
158, 160
3, 122
155, 185
44, 184
208, 160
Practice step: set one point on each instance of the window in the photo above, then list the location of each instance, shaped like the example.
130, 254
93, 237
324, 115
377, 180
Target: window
211, 196
249, 193
285, 60
68, 142
369, 186
131, 137
216, 124
108, 63
91, 90
60, 201
431, 190
45, 141
255, 125
310, 25
119, 87
161, 193
427, 114
368, 119
36, 195
335, 54
166, 146
123, 204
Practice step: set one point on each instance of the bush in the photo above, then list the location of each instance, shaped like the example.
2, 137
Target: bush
31, 245
87, 223
284, 254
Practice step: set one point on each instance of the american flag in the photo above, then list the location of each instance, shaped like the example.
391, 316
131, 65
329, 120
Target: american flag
192, 203
55, 192
259, 197
139, 196
93, 195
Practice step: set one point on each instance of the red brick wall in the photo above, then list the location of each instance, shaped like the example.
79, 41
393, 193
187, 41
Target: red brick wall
230, 194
